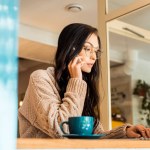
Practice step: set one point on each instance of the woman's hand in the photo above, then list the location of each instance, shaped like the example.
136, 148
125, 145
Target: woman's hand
74, 67
138, 131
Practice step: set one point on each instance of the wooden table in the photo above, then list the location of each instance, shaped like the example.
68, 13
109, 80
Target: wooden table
80, 143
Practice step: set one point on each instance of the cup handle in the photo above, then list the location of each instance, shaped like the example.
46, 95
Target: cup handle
61, 126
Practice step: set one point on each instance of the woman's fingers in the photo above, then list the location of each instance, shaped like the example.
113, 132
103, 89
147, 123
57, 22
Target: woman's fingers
134, 134
138, 131
77, 61
147, 132
75, 67
141, 129
143, 133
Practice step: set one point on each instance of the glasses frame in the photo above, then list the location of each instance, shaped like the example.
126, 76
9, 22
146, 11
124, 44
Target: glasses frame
95, 50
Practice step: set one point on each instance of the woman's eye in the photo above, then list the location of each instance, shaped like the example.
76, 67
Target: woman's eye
87, 49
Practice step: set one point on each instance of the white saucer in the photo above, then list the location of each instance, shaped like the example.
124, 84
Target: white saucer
90, 136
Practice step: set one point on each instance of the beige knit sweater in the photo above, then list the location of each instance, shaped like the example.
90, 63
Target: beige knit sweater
43, 110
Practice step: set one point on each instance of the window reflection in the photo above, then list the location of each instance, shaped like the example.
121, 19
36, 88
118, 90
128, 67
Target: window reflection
116, 4
129, 45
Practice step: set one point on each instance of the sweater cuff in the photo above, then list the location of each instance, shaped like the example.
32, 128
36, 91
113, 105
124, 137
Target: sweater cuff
119, 132
77, 85
127, 125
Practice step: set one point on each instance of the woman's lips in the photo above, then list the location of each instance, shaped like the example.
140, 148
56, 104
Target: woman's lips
90, 64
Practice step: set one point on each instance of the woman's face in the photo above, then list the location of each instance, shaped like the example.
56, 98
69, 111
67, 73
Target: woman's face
88, 53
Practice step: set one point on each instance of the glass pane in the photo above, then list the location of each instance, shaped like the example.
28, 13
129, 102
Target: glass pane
116, 4
138, 18
129, 45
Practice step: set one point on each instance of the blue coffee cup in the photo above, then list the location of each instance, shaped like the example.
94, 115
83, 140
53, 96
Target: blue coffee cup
81, 125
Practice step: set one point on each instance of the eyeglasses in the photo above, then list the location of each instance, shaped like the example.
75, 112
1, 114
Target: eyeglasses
90, 49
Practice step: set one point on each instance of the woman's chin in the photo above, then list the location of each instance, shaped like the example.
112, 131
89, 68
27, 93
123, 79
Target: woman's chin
86, 70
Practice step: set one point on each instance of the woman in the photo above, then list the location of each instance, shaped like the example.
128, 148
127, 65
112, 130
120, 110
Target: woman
69, 89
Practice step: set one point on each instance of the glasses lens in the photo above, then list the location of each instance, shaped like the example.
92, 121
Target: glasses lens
88, 50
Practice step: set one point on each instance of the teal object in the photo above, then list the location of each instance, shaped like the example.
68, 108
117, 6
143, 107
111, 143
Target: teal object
82, 125
8, 73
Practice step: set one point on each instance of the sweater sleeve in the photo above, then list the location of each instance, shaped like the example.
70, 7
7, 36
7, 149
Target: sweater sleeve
45, 108
116, 133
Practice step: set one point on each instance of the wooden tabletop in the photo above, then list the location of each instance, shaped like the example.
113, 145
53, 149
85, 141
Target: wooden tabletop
80, 143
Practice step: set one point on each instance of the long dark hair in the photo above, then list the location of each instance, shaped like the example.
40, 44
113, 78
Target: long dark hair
70, 43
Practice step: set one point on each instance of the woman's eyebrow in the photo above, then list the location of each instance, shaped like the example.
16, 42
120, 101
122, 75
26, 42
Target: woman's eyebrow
92, 45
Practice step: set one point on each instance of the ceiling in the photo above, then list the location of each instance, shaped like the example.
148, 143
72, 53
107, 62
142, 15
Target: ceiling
48, 17
51, 15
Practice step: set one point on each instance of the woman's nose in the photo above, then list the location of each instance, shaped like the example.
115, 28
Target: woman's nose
93, 55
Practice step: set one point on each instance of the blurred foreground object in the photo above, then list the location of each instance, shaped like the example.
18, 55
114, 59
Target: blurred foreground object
8, 73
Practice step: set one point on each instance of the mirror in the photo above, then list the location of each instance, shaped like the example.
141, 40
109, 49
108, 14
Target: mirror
129, 45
